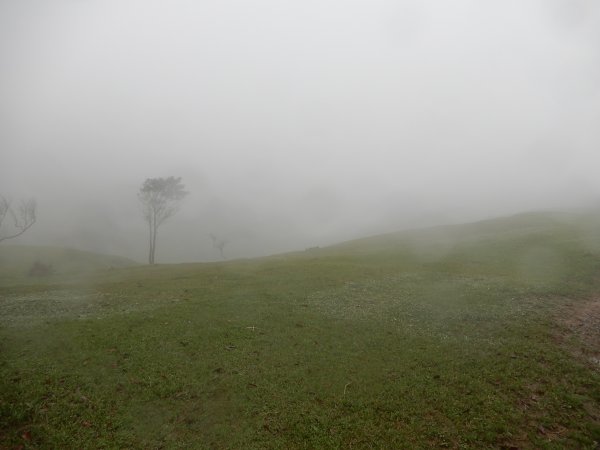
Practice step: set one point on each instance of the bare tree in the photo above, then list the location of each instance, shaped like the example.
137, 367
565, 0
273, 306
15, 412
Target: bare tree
160, 199
219, 244
22, 219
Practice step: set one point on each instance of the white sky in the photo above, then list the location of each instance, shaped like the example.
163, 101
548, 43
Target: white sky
294, 123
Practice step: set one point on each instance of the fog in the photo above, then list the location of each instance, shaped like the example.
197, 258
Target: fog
294, 124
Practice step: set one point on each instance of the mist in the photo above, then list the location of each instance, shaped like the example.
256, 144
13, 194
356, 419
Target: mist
294, 124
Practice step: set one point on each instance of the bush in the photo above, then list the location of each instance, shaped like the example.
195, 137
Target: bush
39, 269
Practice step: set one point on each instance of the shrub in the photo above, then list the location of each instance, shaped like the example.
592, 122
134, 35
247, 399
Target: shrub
39, 269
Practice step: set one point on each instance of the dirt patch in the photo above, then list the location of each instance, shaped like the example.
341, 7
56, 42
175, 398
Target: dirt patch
581, 328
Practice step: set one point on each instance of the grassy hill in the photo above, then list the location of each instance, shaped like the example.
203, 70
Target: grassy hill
469, 336
17, 261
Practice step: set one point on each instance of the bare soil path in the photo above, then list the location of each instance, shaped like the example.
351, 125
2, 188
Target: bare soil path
581, 320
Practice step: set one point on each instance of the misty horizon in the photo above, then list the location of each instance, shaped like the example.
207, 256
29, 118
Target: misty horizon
294, 125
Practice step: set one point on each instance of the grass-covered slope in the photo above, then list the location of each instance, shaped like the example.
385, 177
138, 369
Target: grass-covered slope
448, 337
16, 261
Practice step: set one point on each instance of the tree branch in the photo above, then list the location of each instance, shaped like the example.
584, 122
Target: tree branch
23, 221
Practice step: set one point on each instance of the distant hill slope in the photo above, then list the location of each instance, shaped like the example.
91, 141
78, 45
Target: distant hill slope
584, 227
546, 247
17, 260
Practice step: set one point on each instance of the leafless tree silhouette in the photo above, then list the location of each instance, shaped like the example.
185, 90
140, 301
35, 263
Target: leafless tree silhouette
219, 244
22, 219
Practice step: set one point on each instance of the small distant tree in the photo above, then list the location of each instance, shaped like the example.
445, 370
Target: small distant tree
219, 244
22, 219
160, 199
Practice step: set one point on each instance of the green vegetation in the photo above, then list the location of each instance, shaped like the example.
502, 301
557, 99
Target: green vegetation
449, 337
16, 263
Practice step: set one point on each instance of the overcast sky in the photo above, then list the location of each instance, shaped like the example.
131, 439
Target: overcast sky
294, 123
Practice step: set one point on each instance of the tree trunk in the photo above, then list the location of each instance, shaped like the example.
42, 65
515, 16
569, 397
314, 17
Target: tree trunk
150, 240
153, 237
154, 244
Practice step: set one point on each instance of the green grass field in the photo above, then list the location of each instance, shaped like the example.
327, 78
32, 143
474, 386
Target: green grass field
451, 337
